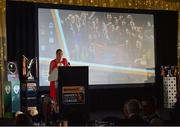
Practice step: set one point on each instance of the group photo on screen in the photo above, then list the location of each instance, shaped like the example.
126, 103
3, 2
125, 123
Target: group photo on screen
117, 47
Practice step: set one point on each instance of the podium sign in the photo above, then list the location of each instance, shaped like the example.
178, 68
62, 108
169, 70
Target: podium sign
73, 95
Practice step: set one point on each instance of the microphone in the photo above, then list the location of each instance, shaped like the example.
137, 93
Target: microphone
69, 64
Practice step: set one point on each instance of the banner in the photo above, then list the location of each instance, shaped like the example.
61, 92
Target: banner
15, 94
7, 96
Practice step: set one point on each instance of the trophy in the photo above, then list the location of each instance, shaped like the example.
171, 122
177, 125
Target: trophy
169, 71
27, 67
169, 74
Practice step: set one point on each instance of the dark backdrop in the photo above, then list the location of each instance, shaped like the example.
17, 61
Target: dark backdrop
22, 39
21, 34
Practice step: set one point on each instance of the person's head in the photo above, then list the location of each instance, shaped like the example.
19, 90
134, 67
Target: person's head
109, 17
156, 122
148, 105
59, 54
125, 112
63, 123
133, 106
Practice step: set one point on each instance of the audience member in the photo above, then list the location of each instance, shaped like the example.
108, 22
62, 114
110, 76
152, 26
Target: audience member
149, 111
62, 123
132, 113
46, 110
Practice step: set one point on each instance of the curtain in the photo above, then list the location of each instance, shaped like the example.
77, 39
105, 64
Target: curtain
21, 34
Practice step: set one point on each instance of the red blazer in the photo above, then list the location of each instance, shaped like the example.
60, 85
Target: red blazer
54, 65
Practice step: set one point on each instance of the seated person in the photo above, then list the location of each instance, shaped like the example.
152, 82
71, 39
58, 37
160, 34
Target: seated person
132, 114
149, 111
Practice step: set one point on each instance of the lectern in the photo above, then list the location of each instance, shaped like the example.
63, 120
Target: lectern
73, 94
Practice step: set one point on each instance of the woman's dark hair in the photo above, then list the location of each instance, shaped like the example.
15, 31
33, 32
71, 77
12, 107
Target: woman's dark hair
58, 50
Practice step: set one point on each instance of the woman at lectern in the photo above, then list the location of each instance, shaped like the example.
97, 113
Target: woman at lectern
58, 61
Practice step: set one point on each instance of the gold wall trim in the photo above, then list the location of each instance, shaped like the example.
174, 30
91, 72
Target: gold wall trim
3, 51
137, 4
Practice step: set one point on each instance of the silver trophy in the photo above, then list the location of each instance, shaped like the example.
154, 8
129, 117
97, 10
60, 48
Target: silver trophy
27, 67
